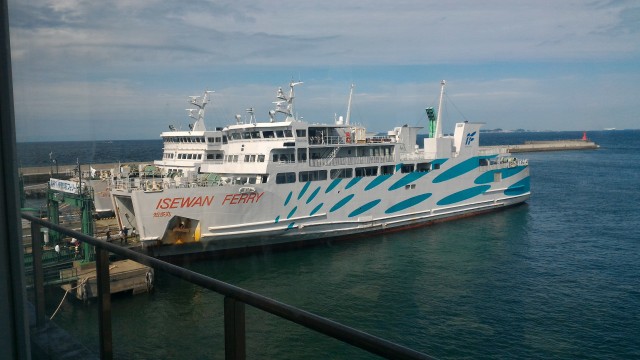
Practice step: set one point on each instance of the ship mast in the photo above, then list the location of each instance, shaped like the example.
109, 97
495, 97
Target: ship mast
439, 120
349, 105
198, 114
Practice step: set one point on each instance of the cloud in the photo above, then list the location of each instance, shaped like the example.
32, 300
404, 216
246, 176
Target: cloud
336, 32
495, 52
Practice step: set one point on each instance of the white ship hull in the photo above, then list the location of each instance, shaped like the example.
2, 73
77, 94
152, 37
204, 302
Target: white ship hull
223, 217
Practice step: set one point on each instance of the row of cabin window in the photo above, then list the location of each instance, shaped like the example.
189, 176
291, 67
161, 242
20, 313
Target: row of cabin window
186, 139
247, 158
345, 173
189, 156
183, 156
194, 139
266, 134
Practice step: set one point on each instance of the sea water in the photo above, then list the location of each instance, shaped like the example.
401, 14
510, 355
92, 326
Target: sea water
558, 277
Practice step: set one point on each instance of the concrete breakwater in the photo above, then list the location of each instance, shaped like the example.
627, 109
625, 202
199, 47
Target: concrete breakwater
556, 145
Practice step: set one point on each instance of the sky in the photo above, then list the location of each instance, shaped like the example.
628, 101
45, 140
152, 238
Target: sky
123, 69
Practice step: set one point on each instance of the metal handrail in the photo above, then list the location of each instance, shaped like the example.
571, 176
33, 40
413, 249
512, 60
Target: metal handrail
235, 298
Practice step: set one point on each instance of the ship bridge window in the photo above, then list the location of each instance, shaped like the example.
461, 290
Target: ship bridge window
255, 134
288, 133
301, 132
189, 156
315, 175
285, 178
407, 168
268, 134
235, 136
246, 135
224, 139
366, 171
341, 173
280, 133
261, 158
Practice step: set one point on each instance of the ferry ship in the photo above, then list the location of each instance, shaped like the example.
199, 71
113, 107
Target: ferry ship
287, 180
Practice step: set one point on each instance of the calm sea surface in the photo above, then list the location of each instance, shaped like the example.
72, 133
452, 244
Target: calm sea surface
558, 277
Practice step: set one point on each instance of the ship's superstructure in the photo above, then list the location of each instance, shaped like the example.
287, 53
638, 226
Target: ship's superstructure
285, 180
185, 150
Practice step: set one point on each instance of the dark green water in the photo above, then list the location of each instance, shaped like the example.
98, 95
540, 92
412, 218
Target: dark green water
558, 277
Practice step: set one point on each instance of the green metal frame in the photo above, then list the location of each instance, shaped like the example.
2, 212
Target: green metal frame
84, 201
432, 122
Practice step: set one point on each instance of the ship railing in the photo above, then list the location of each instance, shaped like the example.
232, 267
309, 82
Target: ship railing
235, 299
327, 140
504, 163
361, 160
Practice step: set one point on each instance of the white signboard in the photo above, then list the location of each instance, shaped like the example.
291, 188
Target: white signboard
64, 185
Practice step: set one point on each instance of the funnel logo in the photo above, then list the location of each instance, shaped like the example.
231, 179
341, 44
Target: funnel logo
470, 138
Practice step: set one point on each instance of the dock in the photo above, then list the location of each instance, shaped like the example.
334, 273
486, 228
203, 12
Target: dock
36, 178
41, 174
125, 275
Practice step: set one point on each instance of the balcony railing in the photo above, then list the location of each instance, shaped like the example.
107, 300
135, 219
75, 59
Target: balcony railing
235, 299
